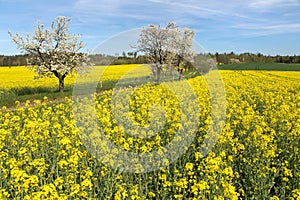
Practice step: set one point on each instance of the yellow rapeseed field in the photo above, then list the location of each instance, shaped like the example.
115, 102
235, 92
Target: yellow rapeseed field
43, 154
22, 77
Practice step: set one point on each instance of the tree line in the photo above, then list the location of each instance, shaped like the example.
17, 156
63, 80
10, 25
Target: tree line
15, 60
230, 58
128, 58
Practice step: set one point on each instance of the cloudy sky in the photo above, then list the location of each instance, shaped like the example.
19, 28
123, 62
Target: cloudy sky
265, 26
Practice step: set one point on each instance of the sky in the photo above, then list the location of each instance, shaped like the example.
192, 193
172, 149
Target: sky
270, 27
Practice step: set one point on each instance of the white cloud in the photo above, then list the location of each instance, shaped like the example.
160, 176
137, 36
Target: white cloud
162, 10
267, 4
295, 26
267, 29
249, 14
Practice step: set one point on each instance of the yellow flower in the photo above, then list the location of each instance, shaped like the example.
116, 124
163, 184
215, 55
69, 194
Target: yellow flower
59, 182
151, 195
4, 194
22, 151
296, 194
83, 194
189, 166
178, 196
75, 189
182, 183
275, 198
86, 184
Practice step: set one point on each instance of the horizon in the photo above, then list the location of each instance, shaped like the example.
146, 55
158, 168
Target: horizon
269, 27
206, 53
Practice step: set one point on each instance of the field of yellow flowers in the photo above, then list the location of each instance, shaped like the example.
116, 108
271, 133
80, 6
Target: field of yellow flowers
19, 83
257, 156
20, 77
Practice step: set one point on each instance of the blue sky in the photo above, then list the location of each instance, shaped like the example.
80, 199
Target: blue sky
265, 26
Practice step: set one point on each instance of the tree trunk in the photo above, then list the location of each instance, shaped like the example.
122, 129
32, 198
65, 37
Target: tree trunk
180, 74
61, 80
61, 83
180, 69
158, 74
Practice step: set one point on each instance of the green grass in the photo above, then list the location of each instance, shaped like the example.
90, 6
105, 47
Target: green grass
8, 99
261, 66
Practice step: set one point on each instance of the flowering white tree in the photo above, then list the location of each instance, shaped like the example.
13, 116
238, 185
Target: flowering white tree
53, 51
168, 45
183, 49
157, 43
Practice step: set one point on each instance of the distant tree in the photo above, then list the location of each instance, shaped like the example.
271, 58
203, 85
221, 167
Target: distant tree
135, 55
142, 59
157, 44
204, 62
53, 51
130, 54
280, 59
291, 59
217, 57
6, 61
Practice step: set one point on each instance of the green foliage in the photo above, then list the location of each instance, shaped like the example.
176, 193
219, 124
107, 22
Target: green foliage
225, 58
15, 60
